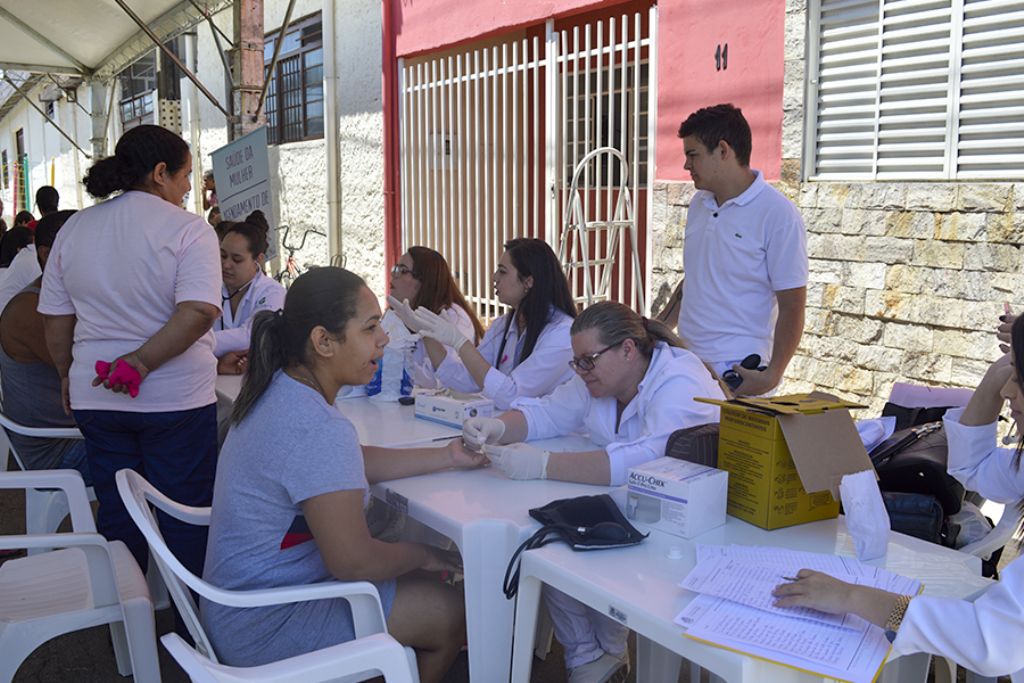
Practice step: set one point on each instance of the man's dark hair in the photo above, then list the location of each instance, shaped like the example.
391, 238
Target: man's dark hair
47, 199
711, 125
14, 240
23, 218
49, 225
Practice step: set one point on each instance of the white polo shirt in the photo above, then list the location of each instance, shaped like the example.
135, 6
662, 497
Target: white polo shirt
735, 257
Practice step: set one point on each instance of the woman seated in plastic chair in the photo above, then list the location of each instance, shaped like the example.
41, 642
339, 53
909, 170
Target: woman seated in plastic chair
245, 291
634, 386
983, 636
291, 488
422, 278
524, 352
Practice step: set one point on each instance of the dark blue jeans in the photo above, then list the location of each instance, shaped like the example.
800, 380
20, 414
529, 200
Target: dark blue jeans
176, 451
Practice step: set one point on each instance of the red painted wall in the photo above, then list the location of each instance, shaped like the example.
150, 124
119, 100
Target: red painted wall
689, 32
426, 25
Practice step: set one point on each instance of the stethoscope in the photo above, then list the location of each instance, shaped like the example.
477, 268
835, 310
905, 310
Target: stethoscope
231, 295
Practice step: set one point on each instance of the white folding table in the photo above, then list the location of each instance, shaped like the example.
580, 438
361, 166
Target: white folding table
639, 587
486, 514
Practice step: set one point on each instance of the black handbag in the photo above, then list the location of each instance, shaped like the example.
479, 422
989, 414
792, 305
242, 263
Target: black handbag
914, 461
585, 523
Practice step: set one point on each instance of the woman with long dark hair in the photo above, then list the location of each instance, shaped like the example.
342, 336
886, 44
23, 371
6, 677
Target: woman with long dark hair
292, 483
985, 635
525, 351
422, 278
134, 282
634, 385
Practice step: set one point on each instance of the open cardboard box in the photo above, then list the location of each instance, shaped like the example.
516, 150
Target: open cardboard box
786, 456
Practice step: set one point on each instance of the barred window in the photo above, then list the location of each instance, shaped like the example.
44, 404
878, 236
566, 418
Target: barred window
138, 82
915, 89
295, 96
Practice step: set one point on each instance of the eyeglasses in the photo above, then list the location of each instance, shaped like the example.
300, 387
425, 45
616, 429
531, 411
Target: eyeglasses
588, 362
398, 270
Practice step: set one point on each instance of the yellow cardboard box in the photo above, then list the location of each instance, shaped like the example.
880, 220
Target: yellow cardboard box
785, 456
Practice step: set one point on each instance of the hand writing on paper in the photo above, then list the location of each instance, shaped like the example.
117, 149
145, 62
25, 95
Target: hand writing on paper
827, 594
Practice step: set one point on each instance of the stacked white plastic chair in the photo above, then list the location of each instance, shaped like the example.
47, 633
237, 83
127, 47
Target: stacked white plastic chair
44, 509
373, 653
86, 582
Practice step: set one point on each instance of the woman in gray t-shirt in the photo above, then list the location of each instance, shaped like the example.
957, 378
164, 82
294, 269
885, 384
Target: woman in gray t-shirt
291, 487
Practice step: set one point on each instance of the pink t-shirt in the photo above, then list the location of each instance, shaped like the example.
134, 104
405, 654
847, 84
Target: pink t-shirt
121, 267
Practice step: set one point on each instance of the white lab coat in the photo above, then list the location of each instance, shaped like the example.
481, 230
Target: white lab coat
232, 331
985, 636
663, 403
509, 377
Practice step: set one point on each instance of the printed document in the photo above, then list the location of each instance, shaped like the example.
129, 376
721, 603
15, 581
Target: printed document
735, 610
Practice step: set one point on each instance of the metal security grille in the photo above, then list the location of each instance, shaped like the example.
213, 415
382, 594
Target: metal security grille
604, 69
490, 137
916, 89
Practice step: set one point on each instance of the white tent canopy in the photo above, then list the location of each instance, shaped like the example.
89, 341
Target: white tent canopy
89, 38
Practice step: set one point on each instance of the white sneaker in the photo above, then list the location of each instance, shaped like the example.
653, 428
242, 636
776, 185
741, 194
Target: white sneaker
604, 669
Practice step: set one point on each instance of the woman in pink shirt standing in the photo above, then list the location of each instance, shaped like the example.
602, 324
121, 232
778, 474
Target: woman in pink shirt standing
135, 280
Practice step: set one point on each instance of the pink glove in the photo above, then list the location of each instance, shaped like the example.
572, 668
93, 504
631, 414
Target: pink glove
122, 374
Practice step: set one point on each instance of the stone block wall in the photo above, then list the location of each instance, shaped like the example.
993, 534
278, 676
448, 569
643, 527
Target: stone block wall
906, 283
907, 280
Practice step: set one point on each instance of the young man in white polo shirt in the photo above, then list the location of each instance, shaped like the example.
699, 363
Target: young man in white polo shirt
744, 256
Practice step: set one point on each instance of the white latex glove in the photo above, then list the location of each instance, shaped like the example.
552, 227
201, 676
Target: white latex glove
476, 431
404, 313
434, 326
519, 460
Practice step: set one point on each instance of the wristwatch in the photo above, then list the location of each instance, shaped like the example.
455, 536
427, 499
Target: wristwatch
899, 610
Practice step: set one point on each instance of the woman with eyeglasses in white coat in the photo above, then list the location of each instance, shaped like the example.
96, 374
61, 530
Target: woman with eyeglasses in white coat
525, 351
634, 385
422, 278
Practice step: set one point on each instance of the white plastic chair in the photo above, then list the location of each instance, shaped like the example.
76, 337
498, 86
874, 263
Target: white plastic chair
88, 582
373, 652
44, 509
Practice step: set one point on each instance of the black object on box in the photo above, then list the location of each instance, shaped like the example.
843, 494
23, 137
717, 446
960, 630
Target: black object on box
695, 444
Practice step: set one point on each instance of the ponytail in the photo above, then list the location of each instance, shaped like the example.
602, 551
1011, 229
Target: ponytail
136, 155
658, 331
266, 357
615, 323
324, 297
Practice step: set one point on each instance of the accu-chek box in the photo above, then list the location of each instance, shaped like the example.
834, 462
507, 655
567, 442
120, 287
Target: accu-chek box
676, 496
452, 410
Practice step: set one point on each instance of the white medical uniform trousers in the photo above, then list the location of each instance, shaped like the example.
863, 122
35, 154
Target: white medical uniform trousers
585, 633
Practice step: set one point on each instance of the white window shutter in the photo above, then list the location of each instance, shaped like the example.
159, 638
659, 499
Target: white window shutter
914, 99
990, 140
917, 89
847, 80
